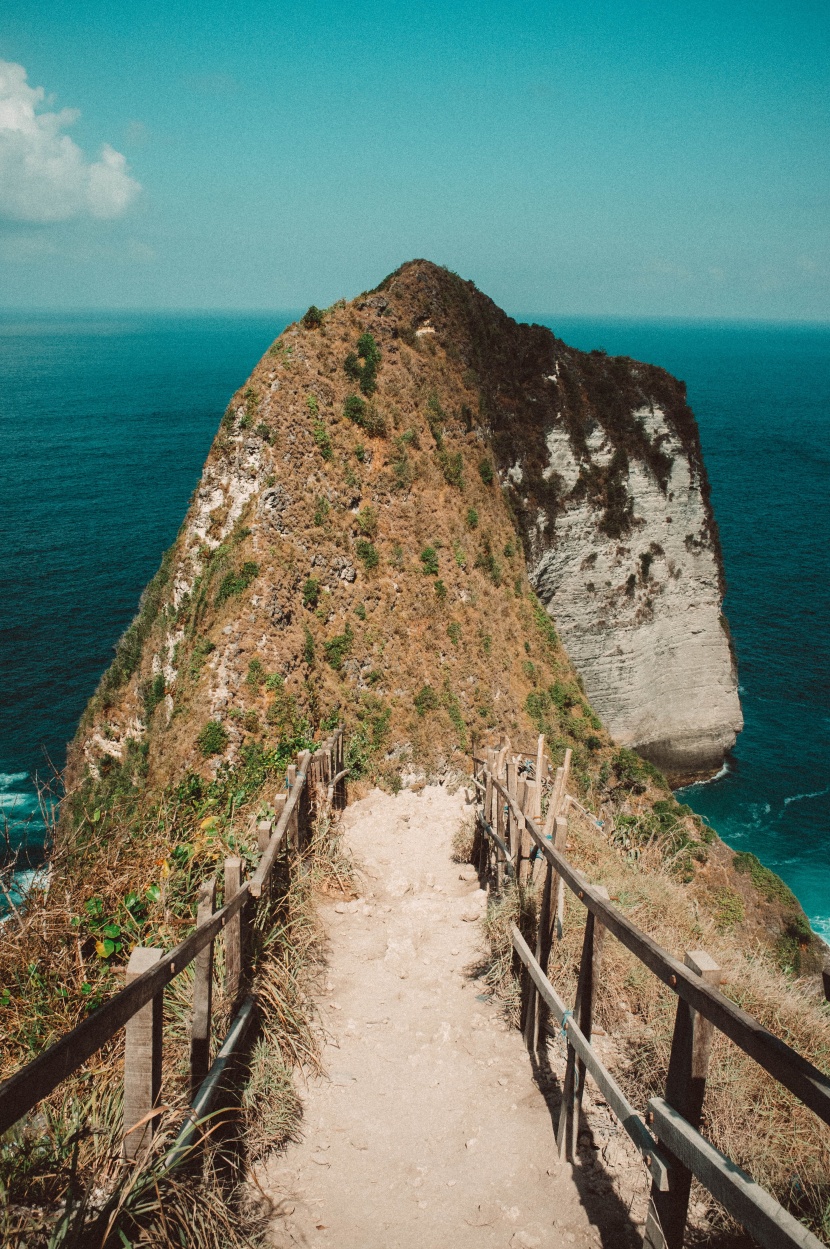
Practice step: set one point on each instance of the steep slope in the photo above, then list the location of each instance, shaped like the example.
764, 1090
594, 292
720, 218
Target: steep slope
367, 446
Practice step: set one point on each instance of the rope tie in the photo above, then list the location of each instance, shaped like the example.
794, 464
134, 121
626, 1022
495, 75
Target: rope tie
568, 1013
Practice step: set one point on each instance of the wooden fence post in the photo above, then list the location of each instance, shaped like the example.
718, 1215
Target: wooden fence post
512, 824
202, 993
233, 929
530, 803
142, 1059
547, 926
589, 968
303, 806
293, 829
685, 1090
484, 847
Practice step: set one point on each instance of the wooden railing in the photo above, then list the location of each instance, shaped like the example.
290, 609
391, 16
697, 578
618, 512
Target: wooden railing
315, 779
514, 841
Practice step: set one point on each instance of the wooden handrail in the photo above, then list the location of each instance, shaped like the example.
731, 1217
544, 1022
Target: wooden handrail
37, 1079
785, 1064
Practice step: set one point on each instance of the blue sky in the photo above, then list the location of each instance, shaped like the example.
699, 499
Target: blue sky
627, 159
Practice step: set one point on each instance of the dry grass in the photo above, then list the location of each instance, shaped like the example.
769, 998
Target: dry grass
61, 1177
747, 1114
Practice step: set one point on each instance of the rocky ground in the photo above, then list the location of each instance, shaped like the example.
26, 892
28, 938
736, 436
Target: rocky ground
430, 1125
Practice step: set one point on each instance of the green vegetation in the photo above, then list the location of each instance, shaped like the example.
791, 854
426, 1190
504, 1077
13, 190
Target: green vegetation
454, 632
322, 440
368, 553
256, 674
360, 611
313, 319
728, 907
130, 646
321, 511
440, 591
765, 881
452, 465
426, 700
338, 648
366, 373
485, 471
235, 583
487, 562
308, 646
151, 694
472, 518
202, 647
311, 592
365, 416
213, 738
264, 431
429, 559
367, 522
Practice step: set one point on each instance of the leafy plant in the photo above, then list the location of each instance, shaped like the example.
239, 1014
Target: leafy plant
308, 646
454, 632
311, 592
321, 511
256, 674
426, 700
367, 552
452, 465
322, 440
485, 470
472, 518
338, 648
429, 559
313, 319
367, 522
235, 583
366, 373
213, 738
440, 591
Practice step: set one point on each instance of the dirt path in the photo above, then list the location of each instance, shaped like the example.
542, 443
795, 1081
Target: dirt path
428, 1128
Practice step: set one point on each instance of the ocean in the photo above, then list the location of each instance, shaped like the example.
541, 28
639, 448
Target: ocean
106, 420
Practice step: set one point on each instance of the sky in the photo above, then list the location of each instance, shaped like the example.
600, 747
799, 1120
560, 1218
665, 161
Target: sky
619, 158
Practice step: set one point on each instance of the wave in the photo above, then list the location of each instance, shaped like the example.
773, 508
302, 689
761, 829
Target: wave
819, 793
724, 771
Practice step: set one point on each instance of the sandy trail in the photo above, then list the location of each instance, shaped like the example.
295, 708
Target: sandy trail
428, 1128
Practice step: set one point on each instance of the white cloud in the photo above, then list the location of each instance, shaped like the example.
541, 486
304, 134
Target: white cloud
44, 175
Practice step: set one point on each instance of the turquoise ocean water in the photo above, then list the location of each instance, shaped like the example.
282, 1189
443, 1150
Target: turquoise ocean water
106, 420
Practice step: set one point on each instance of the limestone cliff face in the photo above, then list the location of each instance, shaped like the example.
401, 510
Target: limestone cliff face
640, 613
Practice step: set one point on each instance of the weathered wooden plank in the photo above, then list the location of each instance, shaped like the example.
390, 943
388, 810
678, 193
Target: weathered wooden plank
142, 1060
782, 1062
20, 1092
685, 1091
286, 821
611, 1091
233, 931
202, 993
750, 1204
589, 967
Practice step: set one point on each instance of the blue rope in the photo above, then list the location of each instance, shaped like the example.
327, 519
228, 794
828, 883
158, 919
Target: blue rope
564, 1022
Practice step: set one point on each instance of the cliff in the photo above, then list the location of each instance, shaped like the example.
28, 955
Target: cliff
333, 473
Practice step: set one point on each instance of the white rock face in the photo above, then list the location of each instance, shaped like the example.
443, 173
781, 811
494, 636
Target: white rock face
640, 616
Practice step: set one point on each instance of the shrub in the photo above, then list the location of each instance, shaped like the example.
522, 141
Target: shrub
308, 646
360, 611
765, 881
321, 511
322, 440
429, 559
311, 592
366, 373
360, 453
452, 465
472, 518
213, 738
440, 591
426, 700
454, 633
312, 405
487, 562
313, 319
367, 522
368, 552
235, 583
256, 674
728, 907
365, 416
485, 470
152, 692
338, 648
264, 431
